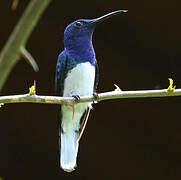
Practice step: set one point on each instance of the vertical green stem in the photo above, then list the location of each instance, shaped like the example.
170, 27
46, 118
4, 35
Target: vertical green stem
11, 52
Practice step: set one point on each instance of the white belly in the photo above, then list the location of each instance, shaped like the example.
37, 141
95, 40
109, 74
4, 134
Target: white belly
79, 81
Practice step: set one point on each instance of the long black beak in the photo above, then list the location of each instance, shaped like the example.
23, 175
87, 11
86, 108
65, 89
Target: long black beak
107, 16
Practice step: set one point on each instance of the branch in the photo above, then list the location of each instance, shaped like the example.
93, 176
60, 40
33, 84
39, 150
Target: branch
26, 98
12, 50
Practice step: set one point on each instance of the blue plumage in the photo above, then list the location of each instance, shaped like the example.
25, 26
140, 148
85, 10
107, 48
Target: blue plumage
76, 74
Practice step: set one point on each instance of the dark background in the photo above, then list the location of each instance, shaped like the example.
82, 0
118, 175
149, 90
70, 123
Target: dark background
130, 139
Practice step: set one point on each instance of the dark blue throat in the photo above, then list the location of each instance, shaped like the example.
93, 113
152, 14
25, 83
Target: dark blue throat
81, 53
80, 48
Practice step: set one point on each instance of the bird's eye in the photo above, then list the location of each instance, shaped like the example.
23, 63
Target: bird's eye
78, 24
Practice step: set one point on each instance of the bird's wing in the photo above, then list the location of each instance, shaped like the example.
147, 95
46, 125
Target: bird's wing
96, 76
59, 84
60, 73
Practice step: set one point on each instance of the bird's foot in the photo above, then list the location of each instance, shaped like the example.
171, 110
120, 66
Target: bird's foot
76, 97
96, 96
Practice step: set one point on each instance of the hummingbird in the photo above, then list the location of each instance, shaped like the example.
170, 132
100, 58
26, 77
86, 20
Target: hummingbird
76, 75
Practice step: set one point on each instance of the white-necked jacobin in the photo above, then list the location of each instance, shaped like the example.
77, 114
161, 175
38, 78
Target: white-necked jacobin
76, 75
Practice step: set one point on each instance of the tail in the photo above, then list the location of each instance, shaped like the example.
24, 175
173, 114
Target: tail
69, 149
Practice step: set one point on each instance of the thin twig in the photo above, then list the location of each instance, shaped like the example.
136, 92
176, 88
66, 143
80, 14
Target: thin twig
26, 98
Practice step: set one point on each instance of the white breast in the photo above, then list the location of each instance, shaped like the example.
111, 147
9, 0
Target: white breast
80, 80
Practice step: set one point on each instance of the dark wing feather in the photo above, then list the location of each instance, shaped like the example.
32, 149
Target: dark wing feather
59, 85
59, 82
60, 73
96, 76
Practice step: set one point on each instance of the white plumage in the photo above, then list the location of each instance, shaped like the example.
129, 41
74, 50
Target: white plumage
79, 81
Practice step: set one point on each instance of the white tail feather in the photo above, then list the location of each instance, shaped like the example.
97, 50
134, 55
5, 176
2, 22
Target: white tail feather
69, 149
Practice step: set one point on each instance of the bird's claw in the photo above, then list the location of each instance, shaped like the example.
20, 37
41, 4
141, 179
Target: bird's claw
76, 97
96, 96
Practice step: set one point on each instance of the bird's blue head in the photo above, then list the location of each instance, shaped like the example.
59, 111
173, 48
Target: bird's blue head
78, 37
